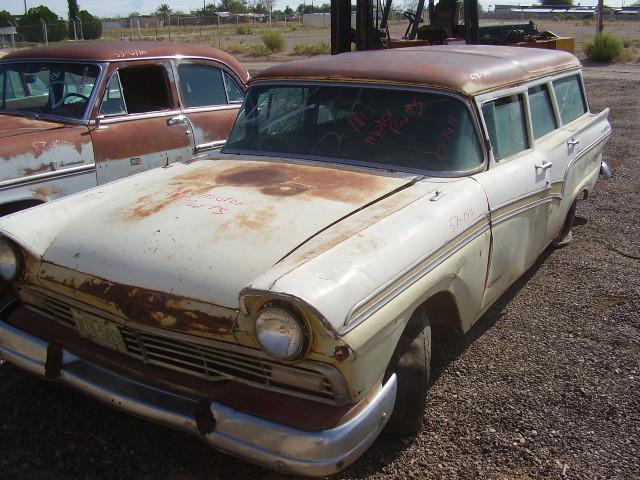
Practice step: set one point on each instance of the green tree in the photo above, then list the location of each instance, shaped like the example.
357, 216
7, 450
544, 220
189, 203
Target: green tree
73, 13
233, 6
6, 18
30, 26
288, 10
91, 26
163, 10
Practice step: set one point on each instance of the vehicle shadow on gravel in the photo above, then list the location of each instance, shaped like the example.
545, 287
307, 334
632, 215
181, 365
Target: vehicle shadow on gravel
449, 345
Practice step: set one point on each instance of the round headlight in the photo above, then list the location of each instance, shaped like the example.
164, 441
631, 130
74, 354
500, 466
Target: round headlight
9, 260
279, 333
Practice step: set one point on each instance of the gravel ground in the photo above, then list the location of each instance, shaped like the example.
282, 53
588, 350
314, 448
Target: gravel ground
545, 386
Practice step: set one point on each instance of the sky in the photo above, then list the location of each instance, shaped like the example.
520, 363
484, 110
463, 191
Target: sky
113, 8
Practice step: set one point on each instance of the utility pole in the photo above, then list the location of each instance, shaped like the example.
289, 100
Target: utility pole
599, 16
25, 7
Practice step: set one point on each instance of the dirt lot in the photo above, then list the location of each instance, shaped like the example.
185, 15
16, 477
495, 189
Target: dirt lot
545, 386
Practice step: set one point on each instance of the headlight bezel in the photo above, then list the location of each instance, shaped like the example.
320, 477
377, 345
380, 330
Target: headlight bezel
18, 256
300, 321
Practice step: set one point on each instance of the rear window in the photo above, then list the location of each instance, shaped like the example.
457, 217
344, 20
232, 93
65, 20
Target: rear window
392, 128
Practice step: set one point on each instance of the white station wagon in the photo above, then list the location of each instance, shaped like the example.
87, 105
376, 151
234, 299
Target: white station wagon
277, 299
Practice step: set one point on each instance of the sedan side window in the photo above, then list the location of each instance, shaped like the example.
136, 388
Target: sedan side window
543, 119
145, 89
234, 94
113, 101
506, 123
570, 98
201, 85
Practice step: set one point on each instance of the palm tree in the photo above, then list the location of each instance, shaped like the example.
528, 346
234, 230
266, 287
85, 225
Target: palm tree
164, 10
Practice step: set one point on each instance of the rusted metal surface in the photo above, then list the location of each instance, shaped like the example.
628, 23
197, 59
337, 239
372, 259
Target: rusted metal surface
118, 51
469, 69
140, 305
212, 125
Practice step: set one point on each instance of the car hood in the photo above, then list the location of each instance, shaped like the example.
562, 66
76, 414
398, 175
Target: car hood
207, 229
12, 125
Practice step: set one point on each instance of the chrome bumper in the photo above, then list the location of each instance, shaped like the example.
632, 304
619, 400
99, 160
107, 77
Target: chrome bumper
269, 444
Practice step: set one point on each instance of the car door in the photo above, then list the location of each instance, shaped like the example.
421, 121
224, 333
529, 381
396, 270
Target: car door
211, 97
576, 147
518, 190
140, 125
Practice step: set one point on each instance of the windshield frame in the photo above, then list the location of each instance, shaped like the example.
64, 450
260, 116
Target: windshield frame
466, 101
85, 119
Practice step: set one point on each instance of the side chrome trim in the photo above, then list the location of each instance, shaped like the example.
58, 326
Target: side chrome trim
210, 146
138, 116
43, 177
401, 282
582, 153
212, 108
512, 213
272, 445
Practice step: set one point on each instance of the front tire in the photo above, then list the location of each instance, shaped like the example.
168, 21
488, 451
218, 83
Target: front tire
411, 362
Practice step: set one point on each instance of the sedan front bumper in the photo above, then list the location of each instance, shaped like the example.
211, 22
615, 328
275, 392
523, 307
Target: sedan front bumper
266, 443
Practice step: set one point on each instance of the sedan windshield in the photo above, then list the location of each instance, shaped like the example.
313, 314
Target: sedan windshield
61, 89
396, 129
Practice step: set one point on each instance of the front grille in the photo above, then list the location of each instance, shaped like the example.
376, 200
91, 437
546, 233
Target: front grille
214, 361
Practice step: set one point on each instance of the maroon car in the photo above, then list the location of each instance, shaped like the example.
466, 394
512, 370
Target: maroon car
76, 116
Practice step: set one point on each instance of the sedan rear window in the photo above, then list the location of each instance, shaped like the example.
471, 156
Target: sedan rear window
397, 129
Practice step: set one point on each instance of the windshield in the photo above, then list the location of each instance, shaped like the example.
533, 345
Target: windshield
61, 89
400, 129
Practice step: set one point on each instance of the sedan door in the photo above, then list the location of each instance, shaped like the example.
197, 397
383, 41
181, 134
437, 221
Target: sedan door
211, 97
140, 124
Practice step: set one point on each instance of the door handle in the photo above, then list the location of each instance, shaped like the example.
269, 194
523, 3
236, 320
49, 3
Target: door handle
573, 142
543, 166
179, 120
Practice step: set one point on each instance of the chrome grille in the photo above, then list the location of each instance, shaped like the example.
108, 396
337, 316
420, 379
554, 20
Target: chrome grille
213, 361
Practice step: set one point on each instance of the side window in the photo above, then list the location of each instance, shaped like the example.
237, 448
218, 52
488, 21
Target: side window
145, 89
570, 98
201, 85
506, 123
234, 93
543, 120
113, 101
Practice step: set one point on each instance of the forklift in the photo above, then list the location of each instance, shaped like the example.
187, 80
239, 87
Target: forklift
450, 22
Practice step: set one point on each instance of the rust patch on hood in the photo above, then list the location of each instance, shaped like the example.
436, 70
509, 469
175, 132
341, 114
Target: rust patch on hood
157, 309
271, 179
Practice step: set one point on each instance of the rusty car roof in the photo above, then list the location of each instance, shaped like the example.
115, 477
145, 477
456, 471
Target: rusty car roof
470, 69
120, 51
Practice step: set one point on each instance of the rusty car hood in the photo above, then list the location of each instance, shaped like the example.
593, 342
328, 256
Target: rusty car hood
207, 229
12, 125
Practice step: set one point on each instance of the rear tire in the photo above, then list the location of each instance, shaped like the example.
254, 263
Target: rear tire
411, 362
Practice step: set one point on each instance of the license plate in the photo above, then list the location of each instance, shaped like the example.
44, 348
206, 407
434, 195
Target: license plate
98, 330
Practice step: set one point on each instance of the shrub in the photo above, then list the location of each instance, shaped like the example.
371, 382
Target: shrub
260, 50
274, 41
317, 49
604, 48
237, 48
91, 26
244, 30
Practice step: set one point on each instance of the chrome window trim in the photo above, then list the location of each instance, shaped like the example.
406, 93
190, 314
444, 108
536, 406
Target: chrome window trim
212, 108
90, 104
124, 100
376, 166
138, 116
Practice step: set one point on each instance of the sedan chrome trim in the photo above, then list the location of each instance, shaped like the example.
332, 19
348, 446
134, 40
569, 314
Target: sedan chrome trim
43, 177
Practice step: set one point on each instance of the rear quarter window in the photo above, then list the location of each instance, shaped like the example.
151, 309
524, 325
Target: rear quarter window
570, 98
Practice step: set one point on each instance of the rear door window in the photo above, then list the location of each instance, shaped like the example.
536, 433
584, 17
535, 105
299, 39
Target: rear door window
570, 98
543, 119
145, 88
201, 85
506, 122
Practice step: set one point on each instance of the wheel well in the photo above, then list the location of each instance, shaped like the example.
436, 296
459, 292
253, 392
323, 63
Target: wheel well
18, 205
443, 314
